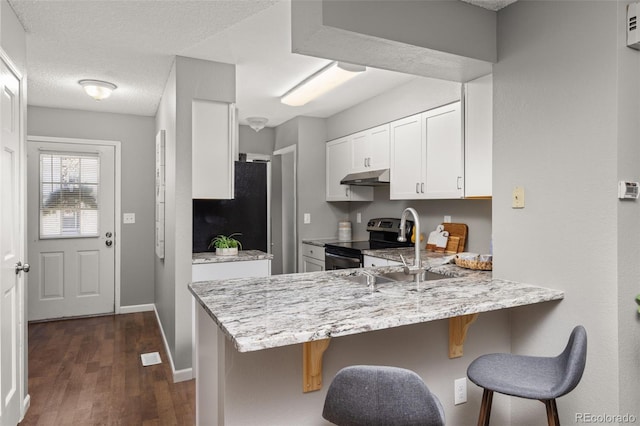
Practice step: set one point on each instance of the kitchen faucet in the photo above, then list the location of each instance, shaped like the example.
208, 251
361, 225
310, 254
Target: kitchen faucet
416, 269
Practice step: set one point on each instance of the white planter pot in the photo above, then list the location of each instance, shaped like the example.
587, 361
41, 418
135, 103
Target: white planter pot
227, 251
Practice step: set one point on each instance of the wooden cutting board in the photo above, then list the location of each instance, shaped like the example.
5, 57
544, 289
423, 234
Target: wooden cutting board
458, 230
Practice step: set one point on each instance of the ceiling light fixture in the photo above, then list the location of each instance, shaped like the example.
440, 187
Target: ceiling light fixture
97, 89
257, 123
321, 82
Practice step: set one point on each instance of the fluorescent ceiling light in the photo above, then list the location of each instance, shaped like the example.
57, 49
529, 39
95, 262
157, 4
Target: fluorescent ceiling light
98, 89
321, 82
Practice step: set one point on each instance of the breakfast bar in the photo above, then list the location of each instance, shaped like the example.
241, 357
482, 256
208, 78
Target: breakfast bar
255, 315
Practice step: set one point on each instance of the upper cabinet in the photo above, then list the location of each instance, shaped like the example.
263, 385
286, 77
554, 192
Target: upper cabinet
478, 137
370, 149
427, 155
339, 163
214, 149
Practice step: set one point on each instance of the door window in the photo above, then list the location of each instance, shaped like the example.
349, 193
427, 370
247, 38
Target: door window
69, 188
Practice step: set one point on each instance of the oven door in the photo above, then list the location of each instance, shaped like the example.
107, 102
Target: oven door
333, 261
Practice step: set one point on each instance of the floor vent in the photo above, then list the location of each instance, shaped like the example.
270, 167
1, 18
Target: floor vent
152, 358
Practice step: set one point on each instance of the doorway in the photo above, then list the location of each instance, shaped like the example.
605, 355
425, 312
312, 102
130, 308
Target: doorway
73, 227
284, 206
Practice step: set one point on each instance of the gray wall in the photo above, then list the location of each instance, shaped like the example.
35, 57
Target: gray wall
556, 100
628, 224
262, 142
190, 79
137, 137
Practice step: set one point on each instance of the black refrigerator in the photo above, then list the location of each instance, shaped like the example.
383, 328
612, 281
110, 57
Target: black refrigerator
246, 214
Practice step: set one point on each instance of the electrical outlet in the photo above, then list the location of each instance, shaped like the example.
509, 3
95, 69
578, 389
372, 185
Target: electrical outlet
447, 219
307, 218
129, 218
358, 217
517, 201
460, 391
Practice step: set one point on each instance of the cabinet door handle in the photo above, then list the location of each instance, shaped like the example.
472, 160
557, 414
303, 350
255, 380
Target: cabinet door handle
346, 191
365, 162
422, 187
458, 182
417, 187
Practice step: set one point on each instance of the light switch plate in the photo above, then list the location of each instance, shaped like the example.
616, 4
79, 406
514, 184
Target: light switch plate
358, 217
517, 201
129, 218
307, 218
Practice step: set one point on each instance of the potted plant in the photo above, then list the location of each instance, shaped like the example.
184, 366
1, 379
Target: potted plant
226, 245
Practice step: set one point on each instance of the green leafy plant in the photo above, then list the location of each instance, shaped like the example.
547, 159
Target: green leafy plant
226, 241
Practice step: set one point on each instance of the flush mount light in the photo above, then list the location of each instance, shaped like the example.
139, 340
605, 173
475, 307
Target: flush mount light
257, 123
321, 82
98, 89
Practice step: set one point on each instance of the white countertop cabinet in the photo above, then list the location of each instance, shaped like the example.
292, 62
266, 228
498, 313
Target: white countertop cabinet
214, 149
339, 154
478, 137
370, 149
427, 155
312, 258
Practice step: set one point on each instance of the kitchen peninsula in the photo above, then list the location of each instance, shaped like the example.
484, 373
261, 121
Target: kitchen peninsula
250, 367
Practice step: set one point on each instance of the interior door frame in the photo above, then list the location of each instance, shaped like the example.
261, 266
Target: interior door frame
293, 149
117, 202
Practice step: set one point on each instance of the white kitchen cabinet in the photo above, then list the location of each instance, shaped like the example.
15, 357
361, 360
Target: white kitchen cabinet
369, 261
312, 258
378, 261
370, 149
338, 163
229, 270
478, 142
406, 163
443, 138
427, 155
214, 149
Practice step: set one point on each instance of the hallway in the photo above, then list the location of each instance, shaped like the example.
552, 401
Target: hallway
88, 371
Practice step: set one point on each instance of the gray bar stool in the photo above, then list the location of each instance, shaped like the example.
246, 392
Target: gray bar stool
540, 378
379, 395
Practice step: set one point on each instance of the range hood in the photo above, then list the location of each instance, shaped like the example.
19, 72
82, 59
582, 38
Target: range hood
368, 178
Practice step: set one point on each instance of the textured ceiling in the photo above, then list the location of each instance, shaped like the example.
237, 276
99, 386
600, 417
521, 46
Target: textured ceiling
132, 44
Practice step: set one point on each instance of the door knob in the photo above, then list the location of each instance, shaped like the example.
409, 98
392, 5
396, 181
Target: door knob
108, 235
108, 243
21, 267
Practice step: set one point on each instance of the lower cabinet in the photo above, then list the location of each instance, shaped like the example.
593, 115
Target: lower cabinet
228, 270
378, 261
312, 258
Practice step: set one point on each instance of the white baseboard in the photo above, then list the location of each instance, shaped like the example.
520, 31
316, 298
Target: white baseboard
178, 375
26, 403
130, 309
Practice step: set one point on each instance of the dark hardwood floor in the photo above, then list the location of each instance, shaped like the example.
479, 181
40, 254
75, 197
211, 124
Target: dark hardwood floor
88, 372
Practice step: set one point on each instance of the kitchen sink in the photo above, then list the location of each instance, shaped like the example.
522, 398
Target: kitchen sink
401, 276
391, 277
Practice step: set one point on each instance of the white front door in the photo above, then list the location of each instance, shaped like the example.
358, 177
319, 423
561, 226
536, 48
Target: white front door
11, 248
71, 231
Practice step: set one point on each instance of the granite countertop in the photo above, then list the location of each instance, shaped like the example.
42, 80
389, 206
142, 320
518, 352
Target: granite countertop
268, 312
243, 255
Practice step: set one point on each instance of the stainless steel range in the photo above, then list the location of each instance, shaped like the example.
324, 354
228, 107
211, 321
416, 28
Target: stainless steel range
383, 233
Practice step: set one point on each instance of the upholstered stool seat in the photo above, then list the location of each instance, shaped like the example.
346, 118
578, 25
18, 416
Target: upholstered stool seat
541, 378
379, 395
